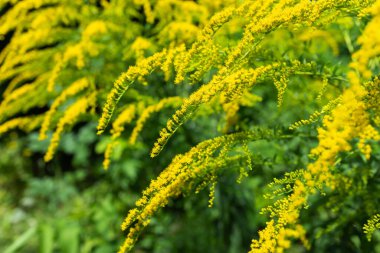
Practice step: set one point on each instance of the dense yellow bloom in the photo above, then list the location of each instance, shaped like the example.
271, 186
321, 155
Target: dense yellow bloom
125, 117
263, 18
368, 133
283, 226
340, 128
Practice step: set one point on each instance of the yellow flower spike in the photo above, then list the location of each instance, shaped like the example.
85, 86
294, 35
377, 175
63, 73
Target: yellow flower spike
369, 41
125, 117
212, 191
26, 124
77, 51
206, 35
70, 116
13, 98
143, 68
316, 115
18, 93
166, 102
74, 51
11, 19
372, 225
72, 90
147, 10
21, 78
108, 154
233, 70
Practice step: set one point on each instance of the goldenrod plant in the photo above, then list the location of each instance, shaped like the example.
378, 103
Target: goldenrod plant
243, 86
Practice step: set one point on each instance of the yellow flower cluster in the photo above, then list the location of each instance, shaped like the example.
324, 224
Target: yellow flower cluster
260, 23
266, 17
263, 18
347, 121
179, 16
368, 133
32, 32
283, 226
193, 170
203, 45
340, 128
61, 60
371, 225
370, 43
